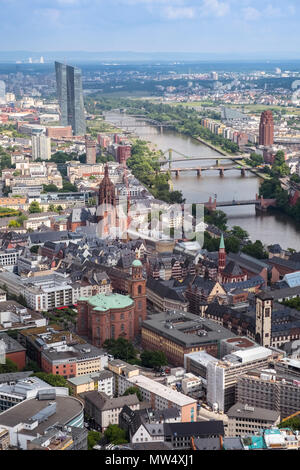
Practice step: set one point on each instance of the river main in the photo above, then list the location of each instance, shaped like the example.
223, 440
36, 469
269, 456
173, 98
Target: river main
269, 228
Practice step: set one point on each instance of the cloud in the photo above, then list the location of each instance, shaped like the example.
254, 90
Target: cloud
215, 8
52, 15
175, 13
251, 14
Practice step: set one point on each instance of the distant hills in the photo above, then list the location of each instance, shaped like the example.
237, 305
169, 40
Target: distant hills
129, 56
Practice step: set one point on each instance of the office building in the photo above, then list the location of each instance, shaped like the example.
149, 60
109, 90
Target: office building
243, 419
41, 147
42, 293
101, 381
14, 316
271, 390
222, 376
63, 353
90, 149
266, 129
2, 92
105, 410
70, 97
178, 333
60, 437
58, 132
14, 392
160, 396
32, 418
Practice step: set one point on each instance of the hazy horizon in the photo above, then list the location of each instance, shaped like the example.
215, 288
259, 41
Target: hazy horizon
223, 27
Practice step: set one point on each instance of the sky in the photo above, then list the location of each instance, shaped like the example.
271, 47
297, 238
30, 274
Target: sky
204, 26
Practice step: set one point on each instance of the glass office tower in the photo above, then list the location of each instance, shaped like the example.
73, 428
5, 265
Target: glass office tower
70, 97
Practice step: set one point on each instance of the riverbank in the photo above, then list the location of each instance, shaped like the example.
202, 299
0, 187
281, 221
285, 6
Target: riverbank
271, 227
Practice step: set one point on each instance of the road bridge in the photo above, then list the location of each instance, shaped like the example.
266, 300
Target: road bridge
199, 170
168, 154
259, 202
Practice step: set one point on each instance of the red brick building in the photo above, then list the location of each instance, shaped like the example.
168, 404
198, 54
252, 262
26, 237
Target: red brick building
91, 150
103, 317
14, 350
266, 129
122, 313
123, 153
56, 132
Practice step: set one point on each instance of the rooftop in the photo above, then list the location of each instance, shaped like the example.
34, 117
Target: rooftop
240, 410
103, 402
67, 409
186, 328
105, 302
161, 390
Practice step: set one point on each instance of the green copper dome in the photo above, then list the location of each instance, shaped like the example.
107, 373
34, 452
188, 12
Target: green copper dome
104, 302
137, 264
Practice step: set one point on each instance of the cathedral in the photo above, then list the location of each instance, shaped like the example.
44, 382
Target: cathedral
109, 217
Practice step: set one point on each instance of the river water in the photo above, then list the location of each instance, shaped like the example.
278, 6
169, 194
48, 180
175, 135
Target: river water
269, 228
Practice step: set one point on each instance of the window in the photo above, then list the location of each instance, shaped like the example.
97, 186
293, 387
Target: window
267, 312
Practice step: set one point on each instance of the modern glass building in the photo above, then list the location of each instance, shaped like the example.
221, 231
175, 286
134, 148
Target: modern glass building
70, 97
2, 92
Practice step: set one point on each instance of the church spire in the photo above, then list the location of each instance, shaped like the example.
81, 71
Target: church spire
222, 255
222, 243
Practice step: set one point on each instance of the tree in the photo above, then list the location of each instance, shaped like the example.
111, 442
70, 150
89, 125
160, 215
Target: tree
50, 188
115, 435
34, 207
217, 218
54, 380
32, 365
120, 349
210, 243
292, 423
295, 178
240, 233
153, 358
279, 167
9, 366
22, 218
14, 224
256, 250
68, 187
133, 391
93, 438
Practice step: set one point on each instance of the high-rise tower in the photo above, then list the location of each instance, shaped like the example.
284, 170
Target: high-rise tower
266, 129
91, 150
70, 97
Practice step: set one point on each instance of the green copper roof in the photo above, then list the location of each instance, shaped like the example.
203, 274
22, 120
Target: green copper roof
137, 264
103, 302
222, 244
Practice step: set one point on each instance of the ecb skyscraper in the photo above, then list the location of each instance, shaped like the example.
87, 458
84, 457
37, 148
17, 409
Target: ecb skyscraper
70, 97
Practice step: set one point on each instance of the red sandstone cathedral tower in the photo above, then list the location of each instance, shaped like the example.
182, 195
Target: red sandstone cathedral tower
106, 210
